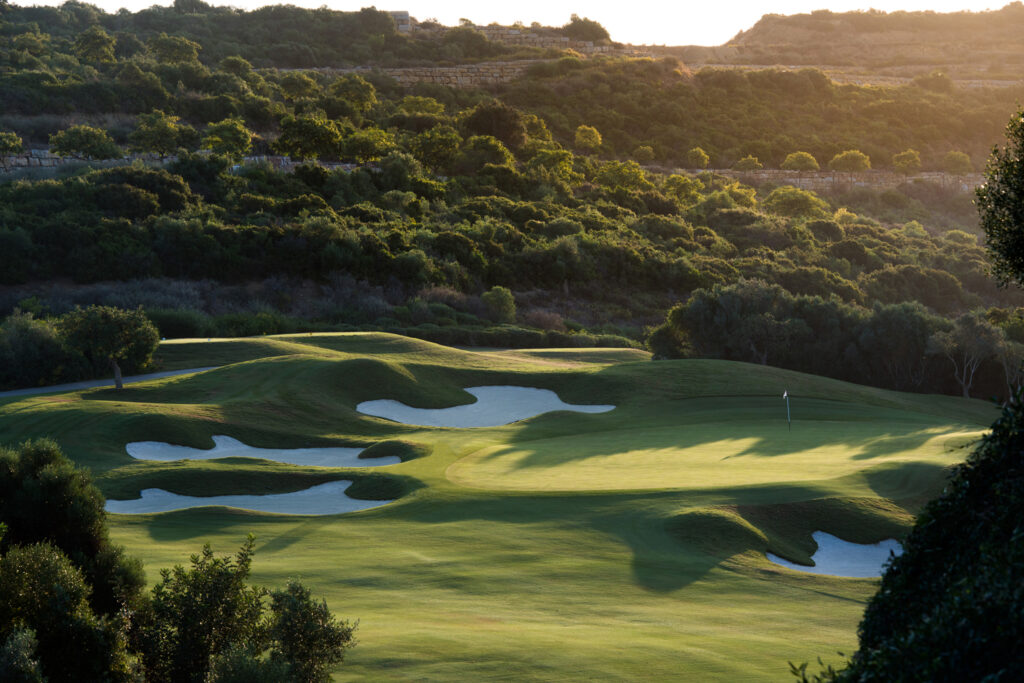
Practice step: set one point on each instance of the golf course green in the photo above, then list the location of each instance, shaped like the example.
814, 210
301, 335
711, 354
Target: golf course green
622, 545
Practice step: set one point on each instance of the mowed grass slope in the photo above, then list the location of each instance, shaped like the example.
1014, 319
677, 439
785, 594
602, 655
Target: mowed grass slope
622, 545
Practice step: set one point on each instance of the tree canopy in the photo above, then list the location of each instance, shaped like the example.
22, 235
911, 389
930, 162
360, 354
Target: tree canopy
1001, 204
111, 337
72, 606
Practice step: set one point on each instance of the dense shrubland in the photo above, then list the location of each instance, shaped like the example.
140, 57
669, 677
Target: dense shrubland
448, 196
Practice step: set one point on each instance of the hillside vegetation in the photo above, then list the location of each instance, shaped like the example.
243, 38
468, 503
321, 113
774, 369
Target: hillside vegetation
448, 213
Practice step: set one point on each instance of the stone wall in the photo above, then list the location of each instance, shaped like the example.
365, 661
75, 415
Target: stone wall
827, 180
462, 76
33, 158
511, 35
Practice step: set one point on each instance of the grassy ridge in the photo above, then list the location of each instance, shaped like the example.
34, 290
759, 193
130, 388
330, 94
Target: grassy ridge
628, 544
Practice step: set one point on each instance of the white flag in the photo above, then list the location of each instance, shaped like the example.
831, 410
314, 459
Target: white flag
785, 394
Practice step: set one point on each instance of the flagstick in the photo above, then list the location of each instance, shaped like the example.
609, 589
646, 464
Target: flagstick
789, 422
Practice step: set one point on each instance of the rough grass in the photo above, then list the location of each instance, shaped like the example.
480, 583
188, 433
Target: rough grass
624, 545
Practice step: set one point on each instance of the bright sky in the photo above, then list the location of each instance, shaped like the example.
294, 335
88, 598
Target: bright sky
657, 22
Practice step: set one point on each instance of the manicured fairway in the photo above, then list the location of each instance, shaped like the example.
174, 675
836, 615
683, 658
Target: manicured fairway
623, 545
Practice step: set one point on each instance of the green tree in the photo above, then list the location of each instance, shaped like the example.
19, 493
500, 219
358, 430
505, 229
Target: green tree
199, 612
748, 163
895, 342
84, 142
308, 136
415, 104
498, 120
229, 138
1001, 205
297, 85
32, 42
644, 154
173, 49
796, 203
685, 189
207, 619
697, 158
850, 161
581, 28
552, 164
237, 66
367, 144
626, 174
356, 90
958, 618
18, 662
500, 303
800, 161
160, 133
587, 139
437, 147
972, 341
111, 337
906, 162
44, 498
305, 634
43, 591
95, 45
957, 163
481, 150
10, 143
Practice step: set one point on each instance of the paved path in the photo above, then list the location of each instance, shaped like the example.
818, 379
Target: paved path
92, 384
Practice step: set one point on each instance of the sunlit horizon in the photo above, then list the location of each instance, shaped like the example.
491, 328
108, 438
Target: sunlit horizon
644, 22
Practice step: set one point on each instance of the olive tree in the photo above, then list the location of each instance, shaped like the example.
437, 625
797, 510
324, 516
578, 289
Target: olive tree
906, 162
800, 161
229, 137
159, 132
850, 161
84, 142
111, 337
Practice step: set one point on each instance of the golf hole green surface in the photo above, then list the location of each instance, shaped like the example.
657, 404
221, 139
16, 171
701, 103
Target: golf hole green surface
624, 545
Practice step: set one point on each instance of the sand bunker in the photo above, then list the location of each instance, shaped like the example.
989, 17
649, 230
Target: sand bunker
226, 447
837, 557
495, 406
324, 499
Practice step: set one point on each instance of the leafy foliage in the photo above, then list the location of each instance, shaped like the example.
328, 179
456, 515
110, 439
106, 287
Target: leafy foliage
950, 607
45, 499
84, 142
112, 337
1001, 204
72, 607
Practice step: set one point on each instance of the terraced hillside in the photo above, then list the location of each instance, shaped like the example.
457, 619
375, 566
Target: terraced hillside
568, 546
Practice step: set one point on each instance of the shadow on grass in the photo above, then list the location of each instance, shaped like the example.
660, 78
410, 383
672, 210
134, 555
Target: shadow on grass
752, 426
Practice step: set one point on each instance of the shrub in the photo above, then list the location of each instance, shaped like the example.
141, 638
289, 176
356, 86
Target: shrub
501, 305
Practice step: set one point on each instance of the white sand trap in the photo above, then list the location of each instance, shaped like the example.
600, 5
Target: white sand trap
226, 447
495, 406
842, 558
324, 499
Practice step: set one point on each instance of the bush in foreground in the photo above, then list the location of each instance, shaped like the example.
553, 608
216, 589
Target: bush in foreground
951, 607
72, 607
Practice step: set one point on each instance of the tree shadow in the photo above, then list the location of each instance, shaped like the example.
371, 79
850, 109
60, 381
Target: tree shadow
752, 426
